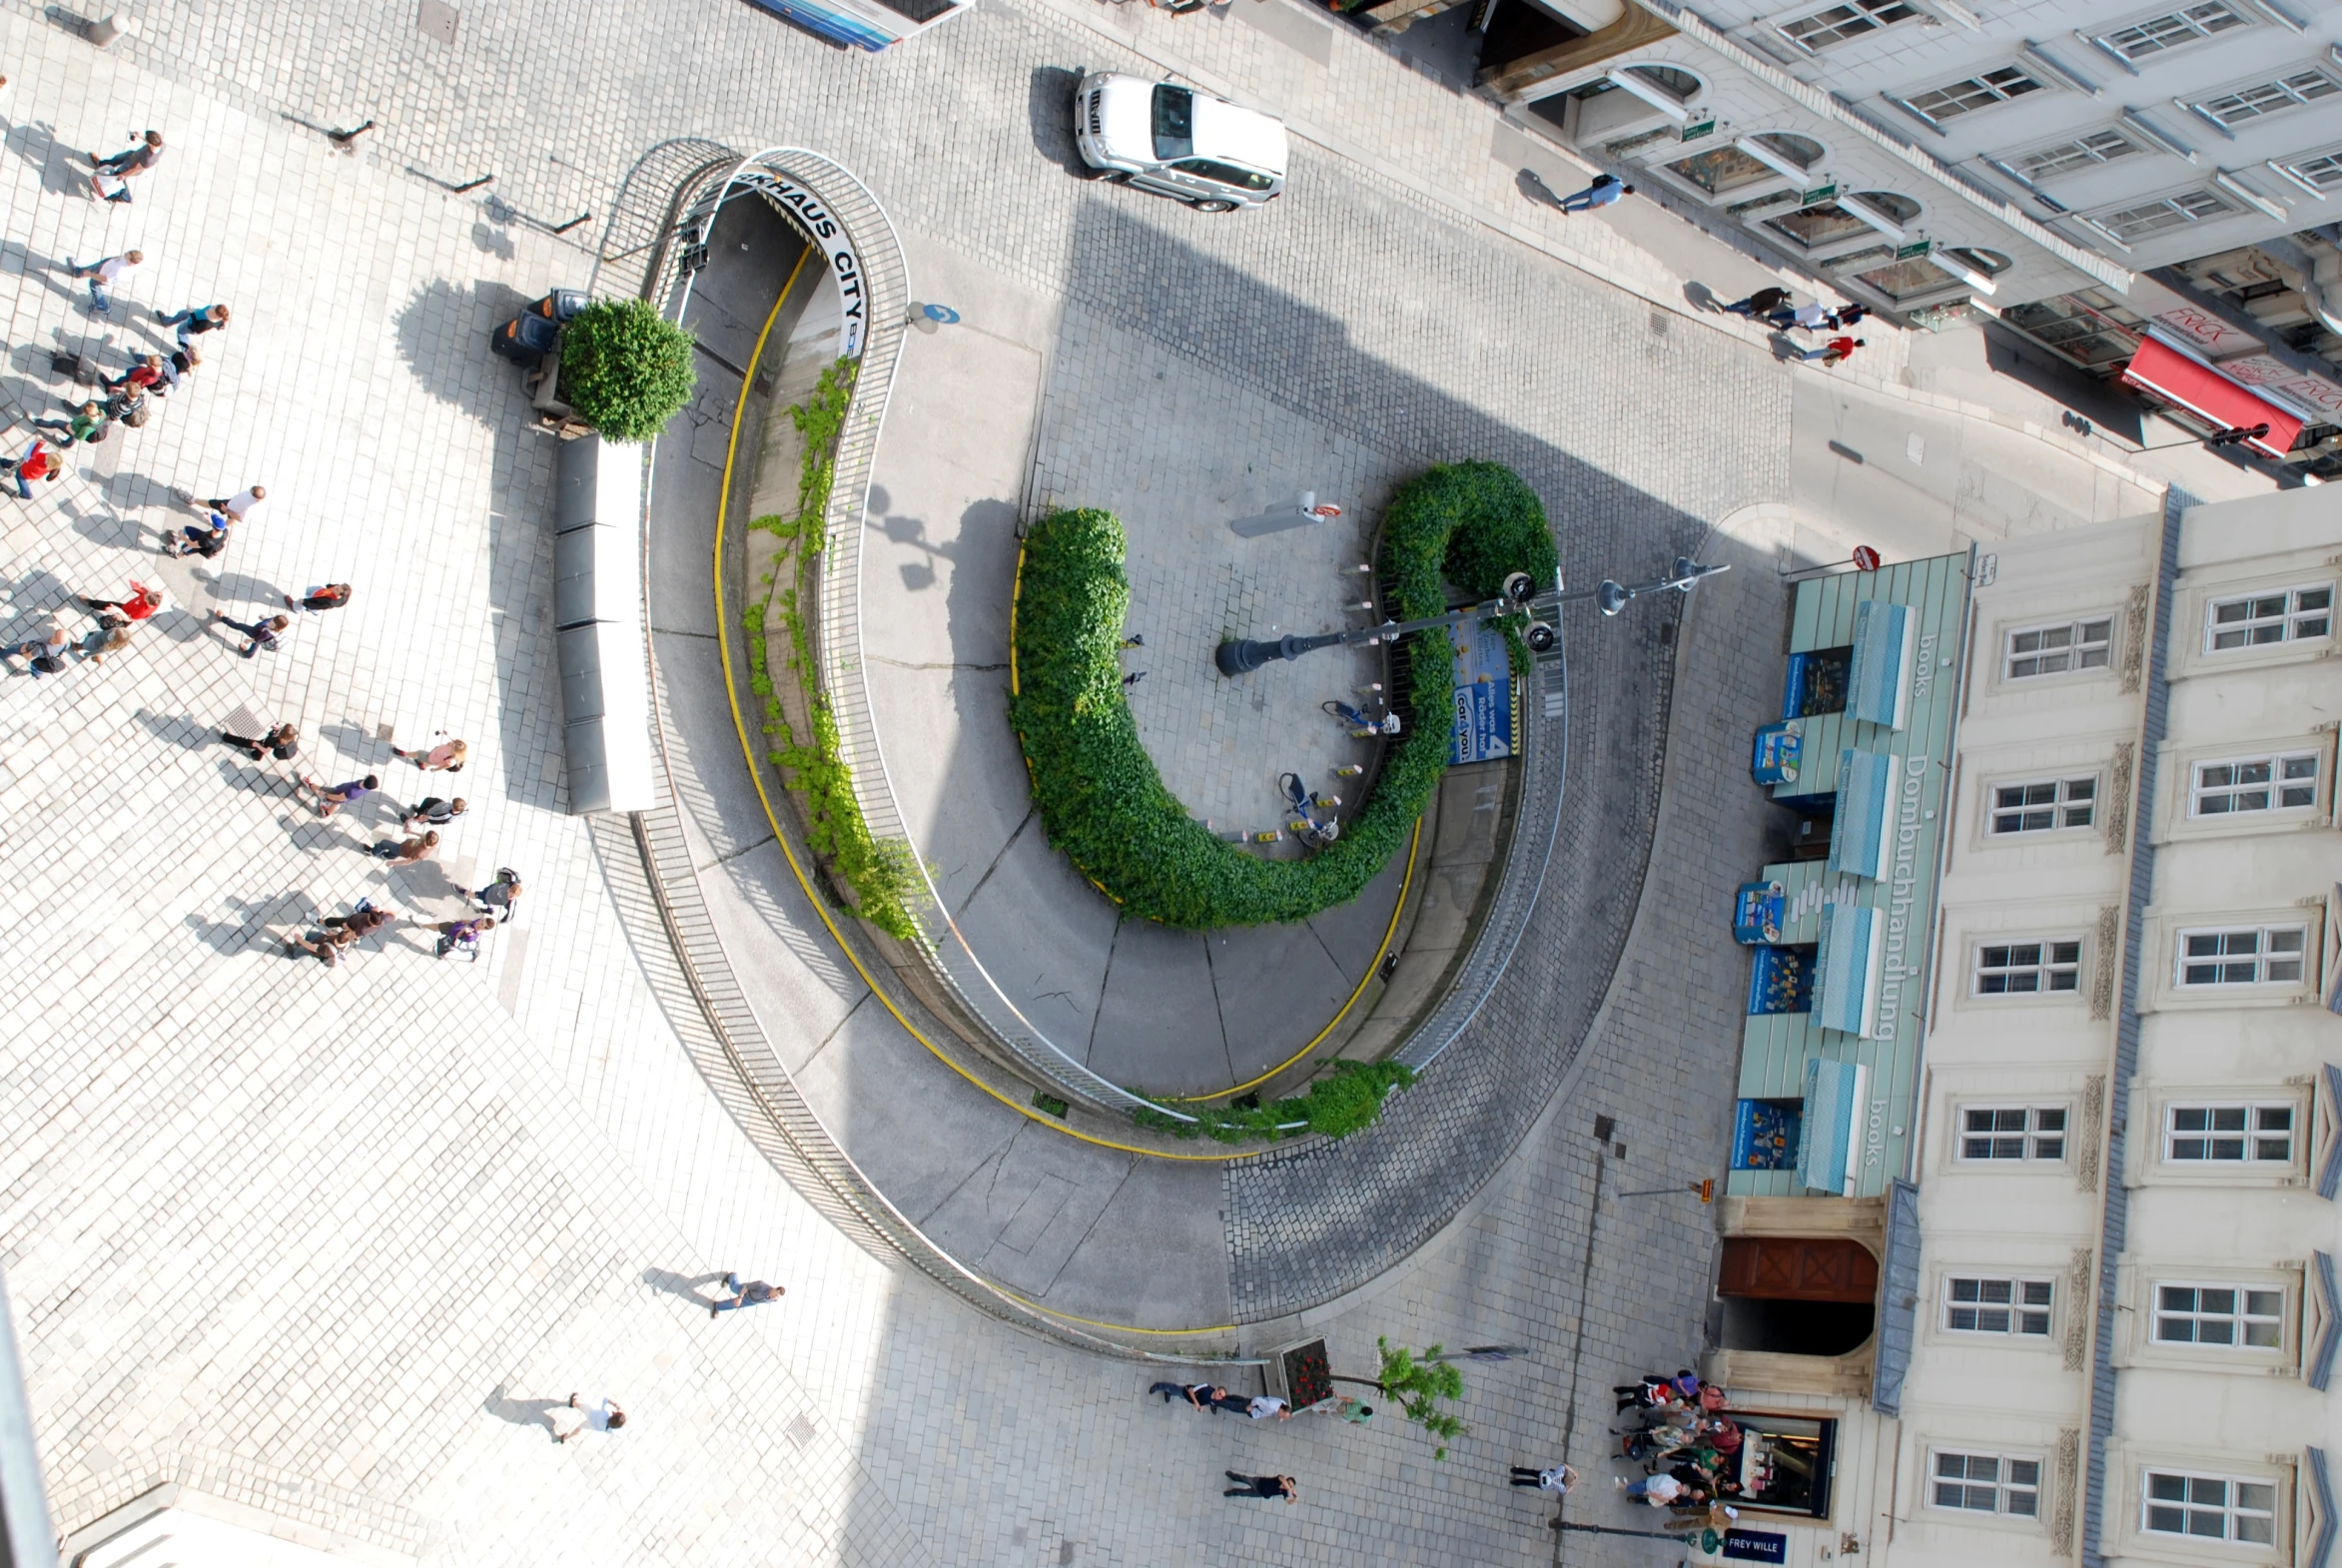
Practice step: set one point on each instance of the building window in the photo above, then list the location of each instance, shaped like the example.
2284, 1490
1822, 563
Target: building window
2243, 956
2173, 28
1988, 1483
1976, 91
2211, 1507
2090, 326
1991, 262
2259, 1134
2028, 969
2255, 784
2323, 171
1996, 1306
2012, 1131
2267, 98
2046, 806
2295, 615
2083, 152
1721, 169
2059, 649
1835, 24
2224, 1314
2169, 212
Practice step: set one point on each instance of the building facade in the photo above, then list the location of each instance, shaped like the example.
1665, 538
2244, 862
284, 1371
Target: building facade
2088, 1307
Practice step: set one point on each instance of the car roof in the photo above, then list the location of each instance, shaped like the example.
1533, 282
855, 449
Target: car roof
1243, 136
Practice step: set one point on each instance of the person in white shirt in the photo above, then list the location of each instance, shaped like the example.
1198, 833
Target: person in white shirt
1556, 1480
594, 1415
104, 274
1264, 1407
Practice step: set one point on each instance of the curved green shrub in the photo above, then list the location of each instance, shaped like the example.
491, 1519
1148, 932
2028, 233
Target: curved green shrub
1102, 800
1345, 1102
626, 369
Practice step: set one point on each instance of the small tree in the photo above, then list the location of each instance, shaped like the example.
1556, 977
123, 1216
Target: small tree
1418, 1384
625, 368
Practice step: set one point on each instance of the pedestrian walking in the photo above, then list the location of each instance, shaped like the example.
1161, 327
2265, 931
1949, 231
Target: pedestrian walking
407, 852
40, 462
1556, 1479
1239, 1404
754, 1293
195, 321
111, 637
1604, 191
465, 934
445, 756
206, 539
1760, 305
1262, 1486
328, 596
365, 920
283, 743
326, 946
1261, 1406
42, 656
1847, 314
145, 371
88, 425
129, 404
501, 896
1133, 678
1201, 1396
433, 812
597, 1415
263, 633
1354, 1411
1836, 352
175, 370
333, 800
1658, 1490
142, 604
246, 506
104, 274
137, 158
1808, 318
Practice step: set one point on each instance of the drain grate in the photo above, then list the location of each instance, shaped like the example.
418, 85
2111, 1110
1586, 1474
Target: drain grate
436, 19
799, 1430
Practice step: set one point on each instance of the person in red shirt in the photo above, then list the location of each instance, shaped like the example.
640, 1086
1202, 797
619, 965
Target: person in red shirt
142, 604
143, 373
1836, 352
38, 462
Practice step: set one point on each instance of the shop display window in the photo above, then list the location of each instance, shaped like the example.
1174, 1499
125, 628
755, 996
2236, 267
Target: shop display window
1817, 683
1782, 979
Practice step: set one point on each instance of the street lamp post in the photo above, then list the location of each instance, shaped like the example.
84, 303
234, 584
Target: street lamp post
1240, 655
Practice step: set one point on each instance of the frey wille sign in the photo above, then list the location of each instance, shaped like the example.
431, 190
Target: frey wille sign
829, 236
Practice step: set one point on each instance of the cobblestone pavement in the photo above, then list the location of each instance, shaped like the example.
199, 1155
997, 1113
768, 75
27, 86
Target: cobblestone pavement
331, 1243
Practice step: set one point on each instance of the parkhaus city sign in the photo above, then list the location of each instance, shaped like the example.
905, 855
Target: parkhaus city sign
829, 236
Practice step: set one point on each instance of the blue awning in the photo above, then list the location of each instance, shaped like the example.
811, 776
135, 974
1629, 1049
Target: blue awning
1878, 688
1860, 839
2325, 1301
1899, 1298
2330, 1167
2321, 1503
1830, 1148
1845, 969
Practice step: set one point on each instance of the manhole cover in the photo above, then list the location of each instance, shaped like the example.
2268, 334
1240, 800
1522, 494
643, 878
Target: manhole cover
436, 20
800, 1431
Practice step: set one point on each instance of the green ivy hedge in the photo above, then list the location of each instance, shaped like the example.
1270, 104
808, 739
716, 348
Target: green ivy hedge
1098, 794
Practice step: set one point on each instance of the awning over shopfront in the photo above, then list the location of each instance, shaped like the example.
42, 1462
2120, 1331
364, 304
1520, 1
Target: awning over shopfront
1845, 969
1898, 1296
2206, 393
1859, 841
2322, 1523
1831, 1150
1878, 686
2323, 1320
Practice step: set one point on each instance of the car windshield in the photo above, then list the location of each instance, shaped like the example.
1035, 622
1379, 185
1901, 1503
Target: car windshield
1174, 121
1226, 174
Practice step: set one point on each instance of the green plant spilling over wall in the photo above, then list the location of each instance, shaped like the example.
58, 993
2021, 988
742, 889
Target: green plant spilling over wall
882, 874
1100, 796
625, 369
1346, 1101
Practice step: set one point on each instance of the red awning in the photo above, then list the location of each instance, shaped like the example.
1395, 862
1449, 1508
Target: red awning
2206, 393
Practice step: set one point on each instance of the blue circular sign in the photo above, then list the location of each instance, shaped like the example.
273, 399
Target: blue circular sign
940, 313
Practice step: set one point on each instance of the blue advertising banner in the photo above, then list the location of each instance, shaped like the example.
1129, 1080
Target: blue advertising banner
1757, 1546
1482, 730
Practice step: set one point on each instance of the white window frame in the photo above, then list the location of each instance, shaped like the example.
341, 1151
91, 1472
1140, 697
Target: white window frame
2078, 646
2286, 619
2088, 158
1863, 12
2004, 1484
2077, 793
2249, 1136
2234, 1517
2327, 160
2265, 954
2198, 203
2046, 967
2019, 1302
2189, 32
2258, 798
2241, 1319
2027, 1132
1979, 78
2203, 103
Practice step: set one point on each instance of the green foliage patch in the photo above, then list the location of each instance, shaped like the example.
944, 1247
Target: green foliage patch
625, 369
1347, 1100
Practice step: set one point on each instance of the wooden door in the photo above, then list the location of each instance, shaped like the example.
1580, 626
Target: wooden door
1799, 1268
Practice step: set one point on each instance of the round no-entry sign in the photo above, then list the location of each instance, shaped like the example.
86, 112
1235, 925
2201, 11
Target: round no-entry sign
1864, 558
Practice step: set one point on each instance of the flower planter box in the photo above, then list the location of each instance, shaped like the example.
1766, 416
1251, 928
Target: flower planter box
1299, 1374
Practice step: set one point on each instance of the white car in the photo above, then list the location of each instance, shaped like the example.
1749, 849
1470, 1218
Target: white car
1177, 142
